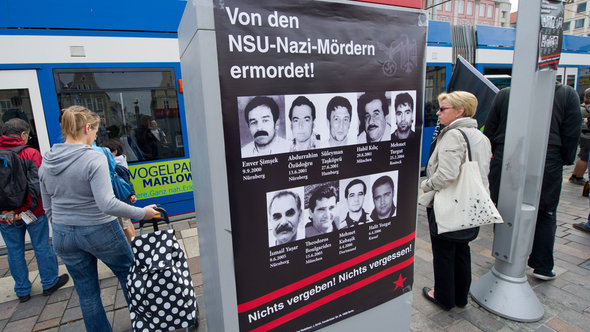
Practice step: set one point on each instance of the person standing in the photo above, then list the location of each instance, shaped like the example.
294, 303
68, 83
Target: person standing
79, 200
564, 132
15, 133
577, 176
450, 251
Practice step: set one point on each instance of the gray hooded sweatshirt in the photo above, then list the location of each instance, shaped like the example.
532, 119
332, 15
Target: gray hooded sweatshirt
76, 187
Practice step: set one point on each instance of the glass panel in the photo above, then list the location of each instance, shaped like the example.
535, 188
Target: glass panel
482, 10
469, 8
137, 107
566, 26
490, 11
584, 79
459, 5
581, 8
448, 6
579, 23
571, 80
559, 78
435, 84
16, 103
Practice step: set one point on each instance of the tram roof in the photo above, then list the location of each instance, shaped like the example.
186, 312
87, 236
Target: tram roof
118, 15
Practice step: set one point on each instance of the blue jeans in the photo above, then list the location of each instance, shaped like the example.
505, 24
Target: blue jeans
79, 247
14, 237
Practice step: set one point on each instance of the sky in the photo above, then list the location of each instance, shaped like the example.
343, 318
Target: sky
514, 6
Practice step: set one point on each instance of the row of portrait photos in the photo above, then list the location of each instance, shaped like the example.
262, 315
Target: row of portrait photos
291, 123
316, 209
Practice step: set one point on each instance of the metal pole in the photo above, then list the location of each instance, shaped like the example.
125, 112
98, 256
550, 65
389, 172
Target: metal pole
505, 290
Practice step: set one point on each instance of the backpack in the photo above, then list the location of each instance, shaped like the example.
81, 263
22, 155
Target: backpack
121, 188
17, 178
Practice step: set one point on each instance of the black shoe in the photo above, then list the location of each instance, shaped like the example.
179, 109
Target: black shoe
581, 226
62, 280
24, 298
544, 275
425, 292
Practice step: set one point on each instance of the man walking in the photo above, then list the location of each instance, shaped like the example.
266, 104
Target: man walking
29, 217
582, 163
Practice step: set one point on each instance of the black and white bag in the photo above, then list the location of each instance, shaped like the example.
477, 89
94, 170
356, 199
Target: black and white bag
159, 284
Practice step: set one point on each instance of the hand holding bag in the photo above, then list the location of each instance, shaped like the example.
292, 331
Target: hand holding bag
465, 203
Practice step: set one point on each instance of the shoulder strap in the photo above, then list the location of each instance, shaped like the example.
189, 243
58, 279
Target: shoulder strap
18, 149
467, 141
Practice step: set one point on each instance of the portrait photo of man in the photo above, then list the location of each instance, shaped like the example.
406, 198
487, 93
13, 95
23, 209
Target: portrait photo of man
339, 115
302, 115
354, 195
322, 211
383, 195
373, 108
403, 111
284, 216
262, 116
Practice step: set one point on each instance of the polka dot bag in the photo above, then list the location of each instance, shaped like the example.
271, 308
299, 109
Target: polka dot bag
159, 284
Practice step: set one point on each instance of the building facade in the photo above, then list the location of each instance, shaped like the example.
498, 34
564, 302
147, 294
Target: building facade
577, 18
470, 12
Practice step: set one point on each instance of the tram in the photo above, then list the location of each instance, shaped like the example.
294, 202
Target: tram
121, 59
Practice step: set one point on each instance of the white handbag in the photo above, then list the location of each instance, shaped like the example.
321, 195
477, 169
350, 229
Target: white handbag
465, 203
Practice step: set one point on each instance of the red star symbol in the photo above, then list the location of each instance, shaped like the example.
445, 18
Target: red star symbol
399, 282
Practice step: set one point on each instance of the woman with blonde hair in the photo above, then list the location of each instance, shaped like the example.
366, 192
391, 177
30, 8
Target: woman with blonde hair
82, 208
450, 251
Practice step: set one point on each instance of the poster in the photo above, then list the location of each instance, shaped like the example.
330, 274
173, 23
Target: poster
321, 107
550, 34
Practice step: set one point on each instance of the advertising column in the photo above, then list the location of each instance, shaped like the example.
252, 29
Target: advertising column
322, 122
321, 106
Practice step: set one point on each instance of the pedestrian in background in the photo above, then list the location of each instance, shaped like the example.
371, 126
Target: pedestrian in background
15, 134
577, 176
79, 200
450, 251
561, 150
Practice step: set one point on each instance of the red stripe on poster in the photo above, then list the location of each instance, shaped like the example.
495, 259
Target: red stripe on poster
323, 274
331, 297
401, 3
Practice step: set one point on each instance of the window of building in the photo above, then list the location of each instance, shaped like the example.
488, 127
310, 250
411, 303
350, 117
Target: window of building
490, 11
449, 6
580, 23
459, 6
132, 104
581, 8
566, 26
469, 8
482, 10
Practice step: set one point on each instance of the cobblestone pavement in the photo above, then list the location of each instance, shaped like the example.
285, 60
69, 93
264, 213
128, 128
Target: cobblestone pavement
566, 300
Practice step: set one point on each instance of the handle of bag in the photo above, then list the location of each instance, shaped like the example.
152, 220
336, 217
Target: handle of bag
155, 220
467, 141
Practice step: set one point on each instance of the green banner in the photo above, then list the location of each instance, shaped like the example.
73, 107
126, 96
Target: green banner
161, 178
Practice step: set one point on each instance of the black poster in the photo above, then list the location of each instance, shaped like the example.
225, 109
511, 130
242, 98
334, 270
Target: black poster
550, 34
322, 131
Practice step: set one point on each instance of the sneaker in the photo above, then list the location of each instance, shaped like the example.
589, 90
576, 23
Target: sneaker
582, 227
544, 275
62, 280
24, 298
576, 180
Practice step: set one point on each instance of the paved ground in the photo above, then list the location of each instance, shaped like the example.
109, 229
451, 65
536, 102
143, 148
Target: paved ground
566, 300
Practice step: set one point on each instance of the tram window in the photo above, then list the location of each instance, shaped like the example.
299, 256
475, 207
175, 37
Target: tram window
16, 103
137, 106
571, 80
559, 78
435, 84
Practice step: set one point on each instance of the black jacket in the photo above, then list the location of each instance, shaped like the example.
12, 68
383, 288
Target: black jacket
565, 121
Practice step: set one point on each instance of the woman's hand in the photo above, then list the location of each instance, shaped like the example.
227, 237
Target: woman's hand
150, 212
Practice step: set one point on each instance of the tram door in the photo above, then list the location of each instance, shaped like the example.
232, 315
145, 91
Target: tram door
20, 97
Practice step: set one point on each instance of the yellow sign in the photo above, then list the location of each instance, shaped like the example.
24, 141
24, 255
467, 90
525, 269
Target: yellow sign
161, 178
